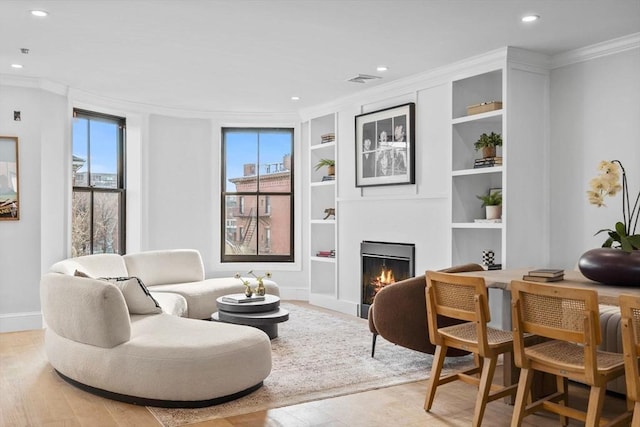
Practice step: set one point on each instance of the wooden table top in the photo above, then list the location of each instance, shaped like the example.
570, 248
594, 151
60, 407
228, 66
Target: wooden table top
572, 278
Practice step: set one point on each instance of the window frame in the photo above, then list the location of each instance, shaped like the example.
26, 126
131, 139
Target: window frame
121, 177
233, 258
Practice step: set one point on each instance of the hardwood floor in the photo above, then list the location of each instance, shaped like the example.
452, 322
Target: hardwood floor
32, 394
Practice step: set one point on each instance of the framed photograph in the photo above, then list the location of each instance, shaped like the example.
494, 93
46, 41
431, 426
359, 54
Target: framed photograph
385, 147
9, 206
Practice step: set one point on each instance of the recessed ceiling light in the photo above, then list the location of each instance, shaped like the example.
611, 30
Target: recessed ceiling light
295, 98
39, 13
16, 65
382, 68
530, 18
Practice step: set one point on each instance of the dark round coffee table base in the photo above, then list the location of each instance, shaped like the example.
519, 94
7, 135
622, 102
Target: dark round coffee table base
264, 315
266, 322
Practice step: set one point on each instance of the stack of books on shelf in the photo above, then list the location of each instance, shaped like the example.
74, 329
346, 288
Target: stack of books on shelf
544, 275
327, 137
329, 178
326, 254
487, 162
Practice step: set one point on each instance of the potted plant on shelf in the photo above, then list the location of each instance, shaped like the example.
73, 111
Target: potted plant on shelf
492, 202
329, 163
488, 144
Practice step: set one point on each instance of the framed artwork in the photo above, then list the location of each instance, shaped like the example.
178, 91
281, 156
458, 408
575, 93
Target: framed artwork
385, 146
9, 194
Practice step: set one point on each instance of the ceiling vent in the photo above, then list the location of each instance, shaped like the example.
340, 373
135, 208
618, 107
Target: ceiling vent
363, 78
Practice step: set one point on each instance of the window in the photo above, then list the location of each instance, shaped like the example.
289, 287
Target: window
98, 199
257, 195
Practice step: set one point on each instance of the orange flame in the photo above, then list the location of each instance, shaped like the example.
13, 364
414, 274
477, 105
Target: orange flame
386, 277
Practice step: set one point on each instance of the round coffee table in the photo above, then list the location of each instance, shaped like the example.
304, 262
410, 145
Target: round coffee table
264, 315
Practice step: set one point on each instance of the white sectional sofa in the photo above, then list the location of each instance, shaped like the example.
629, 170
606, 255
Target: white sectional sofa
97, 339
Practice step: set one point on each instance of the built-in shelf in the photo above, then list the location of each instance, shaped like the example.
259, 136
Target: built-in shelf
476, 171
329, 260
523, 176
325, 146
324, 221
477, 225
322, 183
323, 271
470, 238
489, 115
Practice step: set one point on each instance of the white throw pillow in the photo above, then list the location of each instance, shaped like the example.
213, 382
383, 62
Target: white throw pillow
136, 295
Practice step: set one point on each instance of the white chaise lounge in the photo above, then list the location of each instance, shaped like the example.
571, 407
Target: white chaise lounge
95, 340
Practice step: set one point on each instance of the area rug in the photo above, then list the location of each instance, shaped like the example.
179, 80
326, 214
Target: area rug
319, 354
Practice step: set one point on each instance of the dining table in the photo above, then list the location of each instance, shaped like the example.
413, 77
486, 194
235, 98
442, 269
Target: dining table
501, 279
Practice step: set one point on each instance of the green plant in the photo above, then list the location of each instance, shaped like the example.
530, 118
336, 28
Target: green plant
491, 140
325, 162
492, 198
607, 183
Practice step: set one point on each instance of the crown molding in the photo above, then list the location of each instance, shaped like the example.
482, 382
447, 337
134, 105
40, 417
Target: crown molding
490, 60
485, 62
34, 83
587, 53
92, 100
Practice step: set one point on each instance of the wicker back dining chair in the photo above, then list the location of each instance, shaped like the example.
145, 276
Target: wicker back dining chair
569, 319
465, 298
630, 320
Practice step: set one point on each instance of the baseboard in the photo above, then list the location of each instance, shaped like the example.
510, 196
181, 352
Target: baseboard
297, 294
332, 303
13, 322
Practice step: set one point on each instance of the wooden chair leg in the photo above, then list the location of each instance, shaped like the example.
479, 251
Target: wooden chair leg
562, 385
434, 379
635, 422
594, 408
477, 360
524, 388
484, 388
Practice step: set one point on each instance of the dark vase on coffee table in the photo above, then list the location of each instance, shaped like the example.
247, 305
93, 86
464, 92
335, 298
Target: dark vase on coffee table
611, 266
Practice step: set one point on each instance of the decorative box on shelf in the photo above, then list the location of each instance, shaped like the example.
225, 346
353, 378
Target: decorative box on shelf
483, 107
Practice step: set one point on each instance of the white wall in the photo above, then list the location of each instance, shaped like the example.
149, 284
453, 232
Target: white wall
40, 135
179, 190
595, 115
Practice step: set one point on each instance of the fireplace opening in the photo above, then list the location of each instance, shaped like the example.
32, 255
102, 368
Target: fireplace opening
383, 264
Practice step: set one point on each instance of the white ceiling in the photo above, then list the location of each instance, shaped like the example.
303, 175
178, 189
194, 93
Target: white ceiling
253, 55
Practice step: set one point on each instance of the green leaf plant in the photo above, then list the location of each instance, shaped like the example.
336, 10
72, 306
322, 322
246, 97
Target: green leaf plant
325, 162
492, 198
491, 140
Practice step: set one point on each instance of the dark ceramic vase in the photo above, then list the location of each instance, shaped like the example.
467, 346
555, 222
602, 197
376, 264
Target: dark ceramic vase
611, 266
